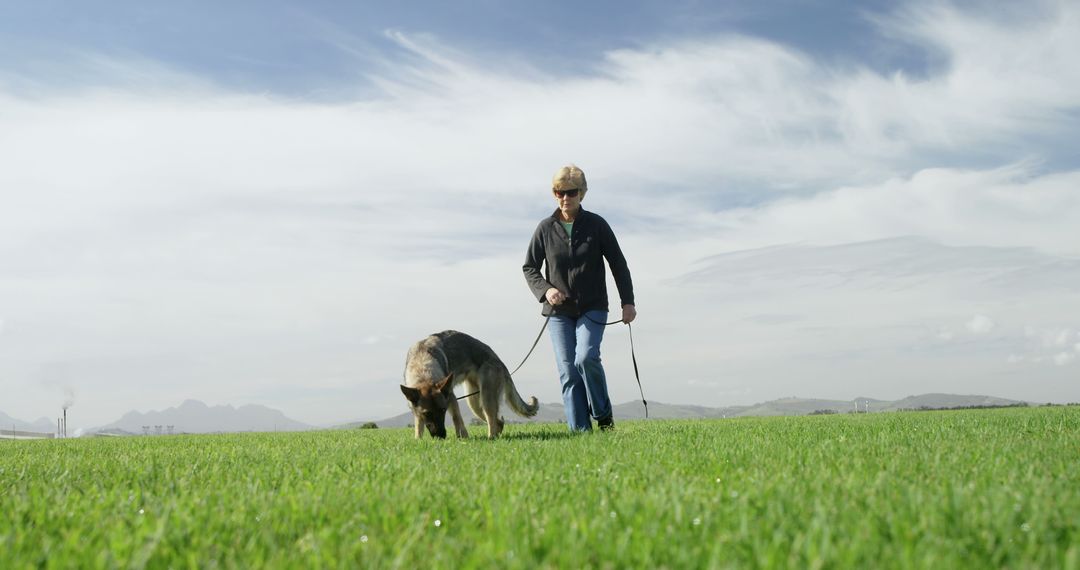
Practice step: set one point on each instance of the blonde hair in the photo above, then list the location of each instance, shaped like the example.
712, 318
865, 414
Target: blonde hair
568, 178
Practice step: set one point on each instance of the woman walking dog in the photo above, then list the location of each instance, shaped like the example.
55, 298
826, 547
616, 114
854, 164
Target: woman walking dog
571, 245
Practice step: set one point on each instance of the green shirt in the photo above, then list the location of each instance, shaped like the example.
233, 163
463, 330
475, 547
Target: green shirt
569, 226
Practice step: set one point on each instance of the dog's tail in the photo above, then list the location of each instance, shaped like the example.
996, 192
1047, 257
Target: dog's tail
517, 404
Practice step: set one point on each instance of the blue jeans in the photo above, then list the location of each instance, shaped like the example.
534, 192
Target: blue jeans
577, 355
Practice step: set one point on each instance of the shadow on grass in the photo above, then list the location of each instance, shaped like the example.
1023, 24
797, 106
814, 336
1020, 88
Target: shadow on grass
538, 435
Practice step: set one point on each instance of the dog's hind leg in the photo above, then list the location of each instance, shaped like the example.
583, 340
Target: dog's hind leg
473, 400
455, 414
490, 401
494, 423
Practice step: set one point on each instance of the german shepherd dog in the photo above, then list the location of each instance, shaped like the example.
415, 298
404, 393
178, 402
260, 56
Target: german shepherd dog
443, 360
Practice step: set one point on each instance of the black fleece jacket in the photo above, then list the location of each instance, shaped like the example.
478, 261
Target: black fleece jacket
575, 265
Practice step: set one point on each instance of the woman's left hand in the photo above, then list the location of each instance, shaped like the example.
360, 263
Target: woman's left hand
629, 313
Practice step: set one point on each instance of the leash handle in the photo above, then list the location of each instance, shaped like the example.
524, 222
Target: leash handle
636, 375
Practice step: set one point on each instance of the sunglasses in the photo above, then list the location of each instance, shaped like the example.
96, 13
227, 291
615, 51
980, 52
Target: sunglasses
570, 193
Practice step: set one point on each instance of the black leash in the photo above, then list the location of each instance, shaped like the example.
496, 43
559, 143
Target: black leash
633, 357
535, 342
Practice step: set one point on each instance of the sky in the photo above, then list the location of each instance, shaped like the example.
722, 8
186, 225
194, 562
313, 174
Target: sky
269, 202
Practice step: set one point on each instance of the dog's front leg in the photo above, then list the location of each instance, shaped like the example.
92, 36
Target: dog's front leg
459, 424
418, 425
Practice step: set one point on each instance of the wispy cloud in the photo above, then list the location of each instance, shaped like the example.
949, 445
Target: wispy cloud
963, 207
980, 324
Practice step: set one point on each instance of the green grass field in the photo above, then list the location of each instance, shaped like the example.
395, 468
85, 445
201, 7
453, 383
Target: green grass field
987, 488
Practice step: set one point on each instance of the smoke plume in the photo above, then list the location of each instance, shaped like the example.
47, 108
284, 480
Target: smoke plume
69, 397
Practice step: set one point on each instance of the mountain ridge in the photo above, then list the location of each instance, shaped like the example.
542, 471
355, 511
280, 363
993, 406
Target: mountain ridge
553, 412
40, 425
194, 416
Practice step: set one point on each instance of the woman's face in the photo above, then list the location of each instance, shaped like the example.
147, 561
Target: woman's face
569, 200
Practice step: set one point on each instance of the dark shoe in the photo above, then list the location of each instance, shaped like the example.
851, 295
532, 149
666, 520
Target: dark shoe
606, 424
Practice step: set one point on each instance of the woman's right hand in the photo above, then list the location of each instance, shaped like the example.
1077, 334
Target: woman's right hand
554, 296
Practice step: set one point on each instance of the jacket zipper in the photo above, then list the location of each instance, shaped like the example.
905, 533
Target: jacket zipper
570, 247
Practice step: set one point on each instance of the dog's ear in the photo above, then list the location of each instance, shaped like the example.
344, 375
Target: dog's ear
446, 385
412, 394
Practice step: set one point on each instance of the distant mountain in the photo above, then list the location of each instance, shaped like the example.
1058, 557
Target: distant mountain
40, 425
553, 413
946, 401
194, 416
661, 411
805, 406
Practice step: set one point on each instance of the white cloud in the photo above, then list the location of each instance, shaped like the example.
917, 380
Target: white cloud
952, 206
1002, 73
980, 324
1055, 337
376, 339
1049, 343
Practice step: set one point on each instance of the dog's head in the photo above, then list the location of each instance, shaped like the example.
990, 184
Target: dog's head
429, 402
